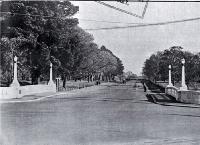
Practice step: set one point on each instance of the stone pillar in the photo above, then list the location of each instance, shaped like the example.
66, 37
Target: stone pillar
183, 85
15, 82
170, 77
51, 76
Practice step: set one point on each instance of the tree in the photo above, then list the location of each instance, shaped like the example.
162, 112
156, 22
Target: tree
101, 61
192, 67
70, 51
42, 31
39, 22
151, 68
156, 67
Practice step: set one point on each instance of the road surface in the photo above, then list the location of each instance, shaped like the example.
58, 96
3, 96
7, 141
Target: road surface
111, 114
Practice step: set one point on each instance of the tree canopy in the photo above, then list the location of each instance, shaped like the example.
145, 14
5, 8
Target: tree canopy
156, 67
40, 32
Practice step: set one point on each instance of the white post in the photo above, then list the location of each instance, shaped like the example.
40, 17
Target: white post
15, 82
183, 85
170, 77
51, 76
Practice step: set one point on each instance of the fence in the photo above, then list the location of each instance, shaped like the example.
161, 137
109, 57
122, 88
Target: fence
75, 85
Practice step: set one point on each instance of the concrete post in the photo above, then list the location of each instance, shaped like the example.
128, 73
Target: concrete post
15, 82
170, 77
183, 85
58, 83
51, 76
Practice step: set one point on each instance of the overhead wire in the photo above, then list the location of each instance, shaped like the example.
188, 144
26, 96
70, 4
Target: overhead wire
104, 21
92, 20
145, 25
122, 27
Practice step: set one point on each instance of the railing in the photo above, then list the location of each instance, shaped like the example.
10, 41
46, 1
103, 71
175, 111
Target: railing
17, 92
32, 89
173, 91
8, 92
75, 85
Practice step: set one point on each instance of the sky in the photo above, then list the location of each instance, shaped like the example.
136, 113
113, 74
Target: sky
134, 45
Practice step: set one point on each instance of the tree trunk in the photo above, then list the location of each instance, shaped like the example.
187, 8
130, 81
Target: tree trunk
35, 75
64, 80
88, 78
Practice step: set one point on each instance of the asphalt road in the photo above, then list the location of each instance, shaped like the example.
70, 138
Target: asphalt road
101, 115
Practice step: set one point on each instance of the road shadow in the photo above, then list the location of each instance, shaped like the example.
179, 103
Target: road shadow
160, 97
184, 115
167, 100
179, 104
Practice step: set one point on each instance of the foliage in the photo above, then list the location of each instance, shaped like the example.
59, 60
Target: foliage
40, 32
156, 67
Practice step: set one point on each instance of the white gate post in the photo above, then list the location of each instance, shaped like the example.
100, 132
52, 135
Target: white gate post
170, 77
15, 82
183, 85
51, 76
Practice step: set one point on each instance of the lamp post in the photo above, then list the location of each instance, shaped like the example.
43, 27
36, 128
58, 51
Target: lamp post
183, 85
170, 77
15, 82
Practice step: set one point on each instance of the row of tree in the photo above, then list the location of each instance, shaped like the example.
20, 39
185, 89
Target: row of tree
40, 32
156, 67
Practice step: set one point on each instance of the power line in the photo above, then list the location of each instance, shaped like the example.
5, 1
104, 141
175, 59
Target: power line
103, 21
121, 27
145, 25
92, 20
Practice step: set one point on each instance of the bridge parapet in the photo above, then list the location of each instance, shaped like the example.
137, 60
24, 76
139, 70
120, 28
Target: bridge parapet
173, 91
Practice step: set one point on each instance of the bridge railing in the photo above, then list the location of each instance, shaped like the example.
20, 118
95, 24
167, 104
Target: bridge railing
173, 91
18, 92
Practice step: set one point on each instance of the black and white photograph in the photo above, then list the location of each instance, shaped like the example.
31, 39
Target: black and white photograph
120, 72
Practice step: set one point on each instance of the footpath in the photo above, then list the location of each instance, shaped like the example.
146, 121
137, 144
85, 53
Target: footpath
41, 96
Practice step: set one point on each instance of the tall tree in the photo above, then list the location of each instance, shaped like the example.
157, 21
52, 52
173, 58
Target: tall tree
39, 22
157, 65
